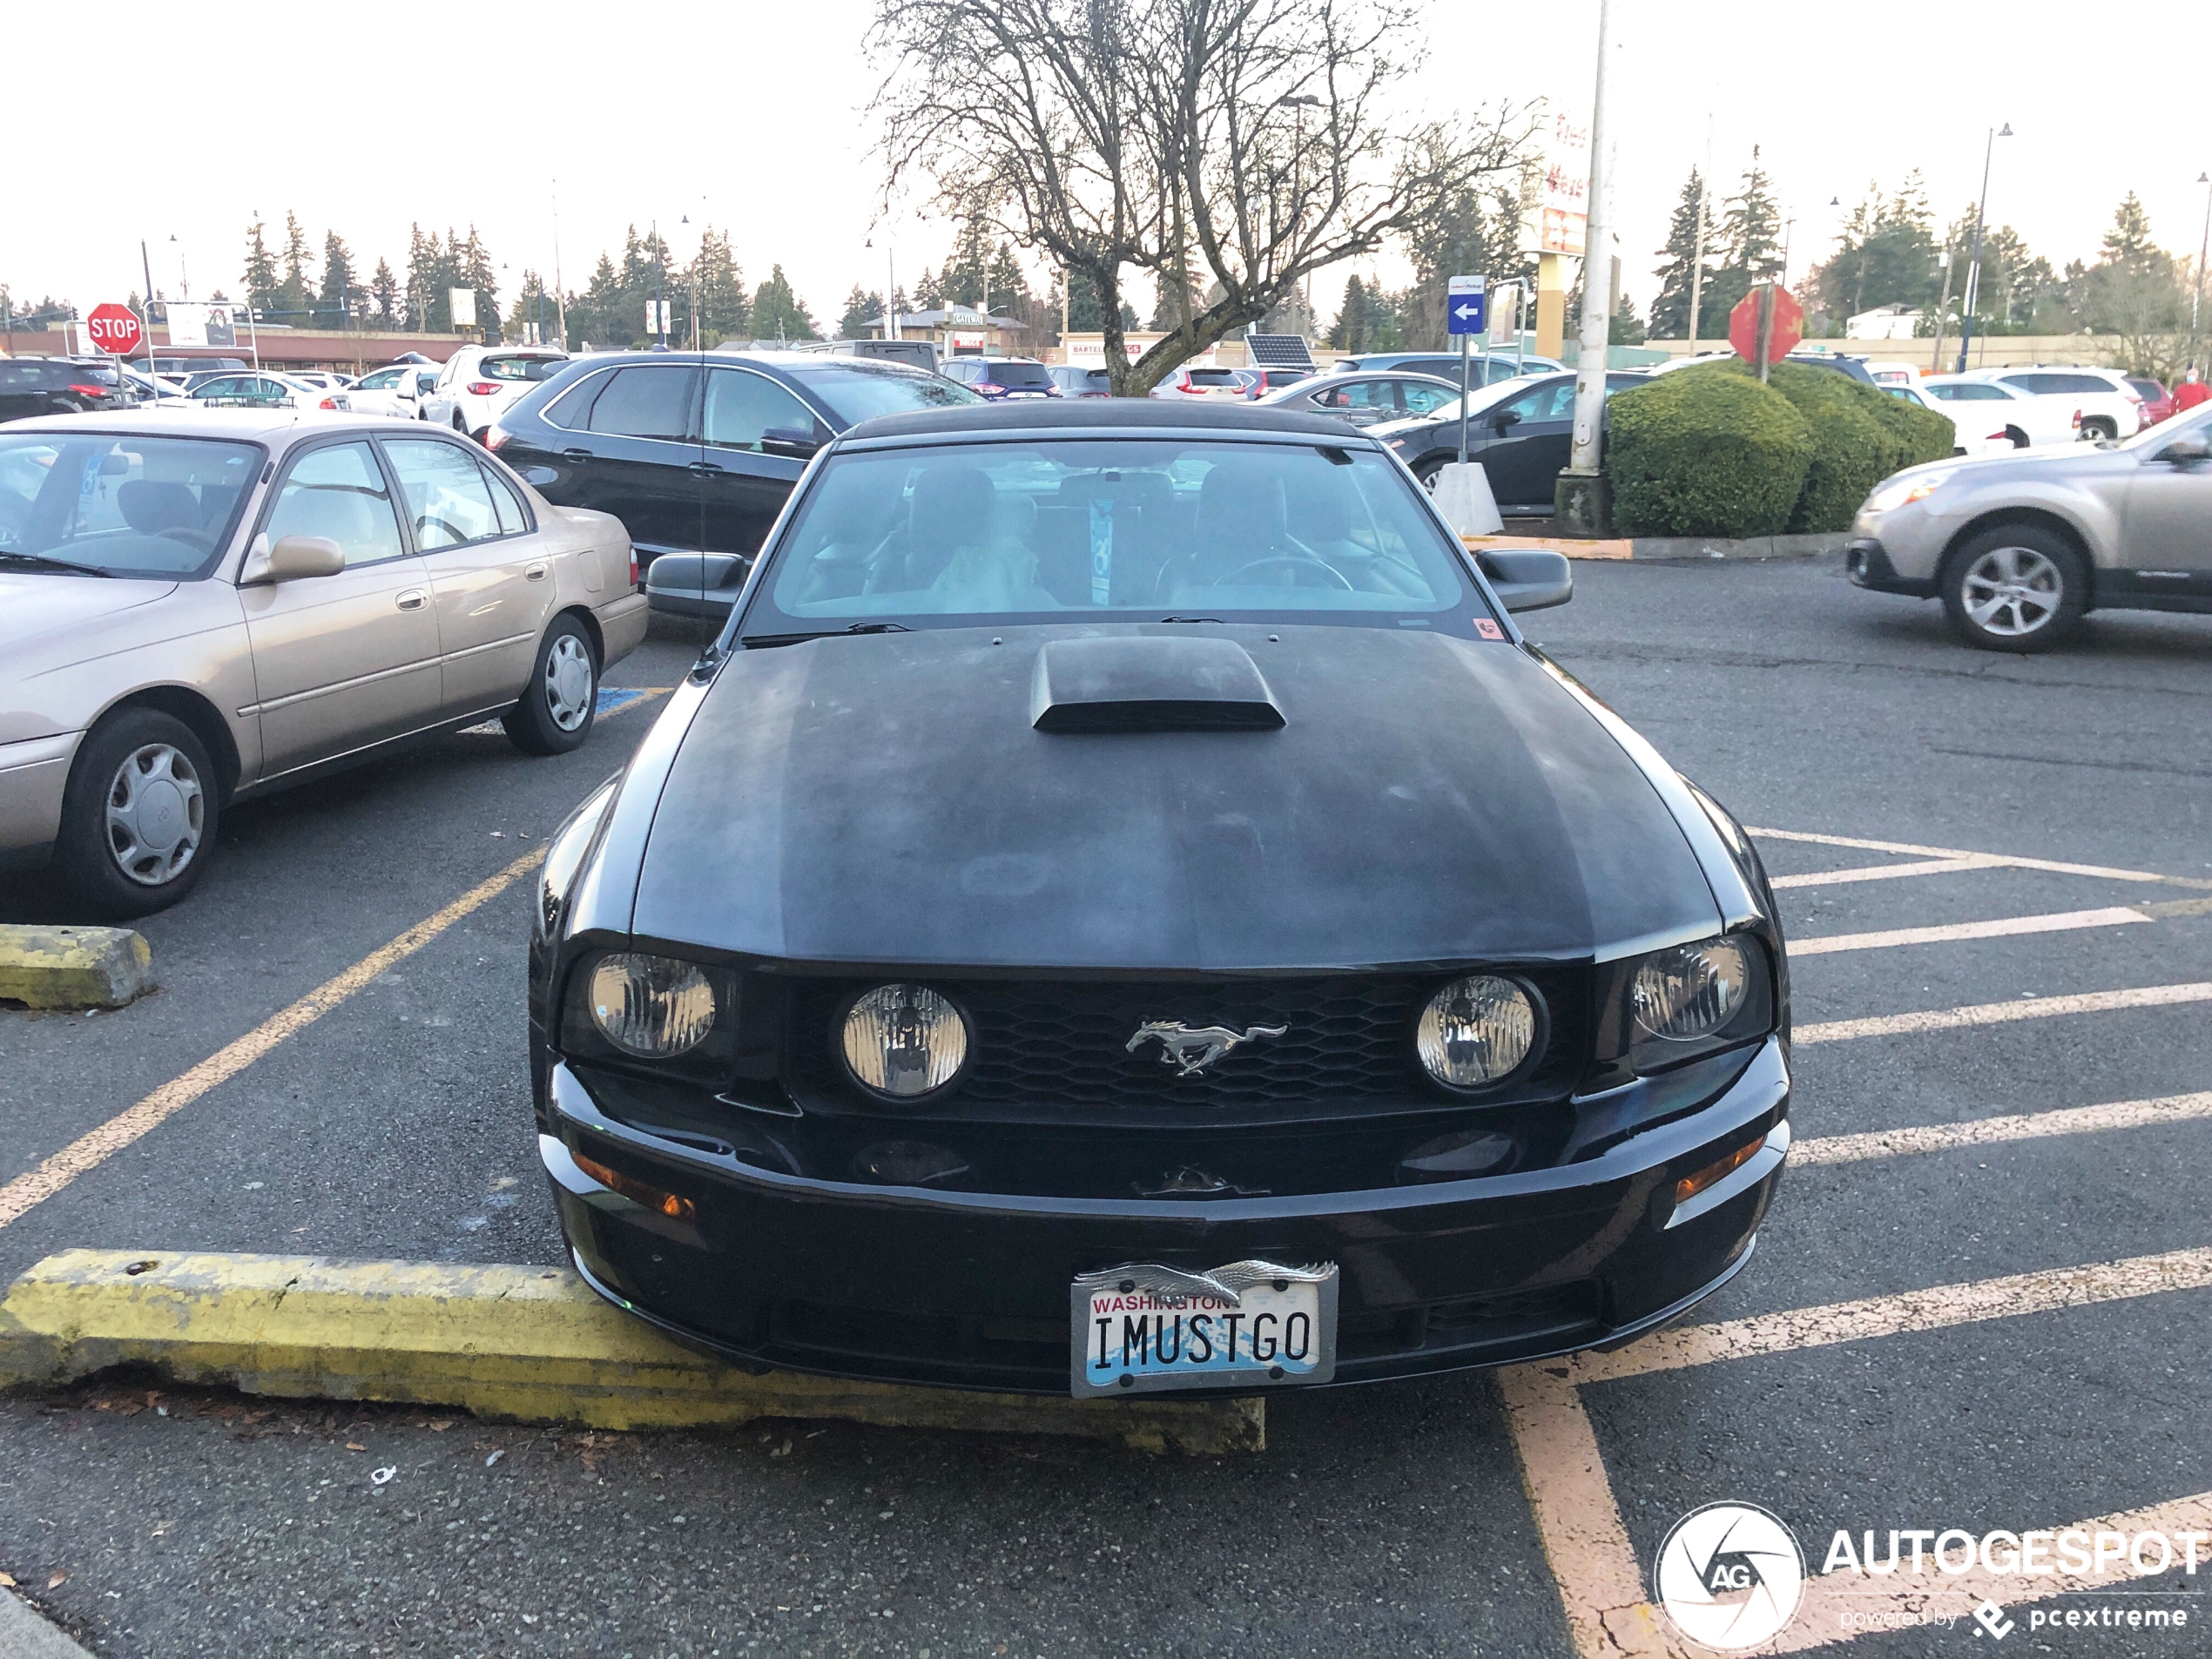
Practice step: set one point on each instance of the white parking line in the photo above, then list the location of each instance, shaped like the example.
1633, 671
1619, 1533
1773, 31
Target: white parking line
2002, 928
1990, 1131
2037, 1008
1906, 848
1887, 872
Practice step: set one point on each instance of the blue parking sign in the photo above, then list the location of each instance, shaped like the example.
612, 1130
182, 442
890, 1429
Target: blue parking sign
1464, 308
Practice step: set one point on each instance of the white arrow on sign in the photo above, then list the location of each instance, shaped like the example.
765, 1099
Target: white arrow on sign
1466, 311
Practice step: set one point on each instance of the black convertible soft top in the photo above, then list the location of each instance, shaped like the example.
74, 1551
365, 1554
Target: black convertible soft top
1120, 413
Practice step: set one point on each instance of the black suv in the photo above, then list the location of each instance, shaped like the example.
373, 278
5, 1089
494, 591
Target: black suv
55, 386
694, 453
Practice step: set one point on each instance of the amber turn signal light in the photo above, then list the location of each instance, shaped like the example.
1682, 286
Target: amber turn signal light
1690, 1186
638, 1191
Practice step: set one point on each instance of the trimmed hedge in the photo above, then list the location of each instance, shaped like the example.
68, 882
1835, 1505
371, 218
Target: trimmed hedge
1705, 452
1860, 435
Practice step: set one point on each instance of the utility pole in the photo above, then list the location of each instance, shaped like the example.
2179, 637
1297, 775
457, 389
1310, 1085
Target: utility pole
1943, 310
560, 294
1578, 495
1973, 266
1698, 257
2203, 246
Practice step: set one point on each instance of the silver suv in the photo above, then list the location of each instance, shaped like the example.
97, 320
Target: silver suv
2020, 548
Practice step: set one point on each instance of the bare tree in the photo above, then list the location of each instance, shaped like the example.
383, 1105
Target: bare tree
1227, 148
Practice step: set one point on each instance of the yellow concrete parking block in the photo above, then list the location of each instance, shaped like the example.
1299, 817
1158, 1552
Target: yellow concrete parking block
73, 968
529, 1343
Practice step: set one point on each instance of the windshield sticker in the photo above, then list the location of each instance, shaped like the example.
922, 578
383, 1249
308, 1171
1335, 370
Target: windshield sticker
1486, 628
1101, 550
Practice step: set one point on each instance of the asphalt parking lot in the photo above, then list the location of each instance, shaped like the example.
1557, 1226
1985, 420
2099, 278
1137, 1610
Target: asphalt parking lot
1911, 1347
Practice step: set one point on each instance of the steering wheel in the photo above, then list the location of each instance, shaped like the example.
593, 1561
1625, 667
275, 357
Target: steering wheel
199, 540
15, 519
1288, 562
427, 523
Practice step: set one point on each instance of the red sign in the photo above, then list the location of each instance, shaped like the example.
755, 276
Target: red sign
1784, 331
114, 328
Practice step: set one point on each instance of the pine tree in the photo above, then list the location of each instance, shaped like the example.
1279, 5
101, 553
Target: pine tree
1670, 310
717, 289
863, 314
260, 269
339, 283
294, 297
385, 289
1349, 333
778, 313
929, 294
2127, 247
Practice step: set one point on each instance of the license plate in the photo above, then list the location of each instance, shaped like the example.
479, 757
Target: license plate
1144, 1328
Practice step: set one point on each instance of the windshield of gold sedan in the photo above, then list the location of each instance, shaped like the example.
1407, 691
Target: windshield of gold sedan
124, 506
1119, 529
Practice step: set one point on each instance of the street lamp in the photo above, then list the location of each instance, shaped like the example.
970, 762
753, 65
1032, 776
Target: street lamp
1973, 266
1300, 102
2203, 244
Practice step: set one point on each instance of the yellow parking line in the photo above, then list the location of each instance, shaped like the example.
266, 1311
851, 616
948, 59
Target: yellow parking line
94, 1147
1888, 872
1906, 848
2035, 1008
1990, 1131
2001, 928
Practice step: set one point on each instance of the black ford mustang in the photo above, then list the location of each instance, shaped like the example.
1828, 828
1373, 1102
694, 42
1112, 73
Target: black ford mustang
1121, 908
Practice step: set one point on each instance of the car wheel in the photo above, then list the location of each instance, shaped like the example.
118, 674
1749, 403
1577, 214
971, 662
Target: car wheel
2097, 429
139, 817
2016, 588
555, 715
460, 425
1428, 472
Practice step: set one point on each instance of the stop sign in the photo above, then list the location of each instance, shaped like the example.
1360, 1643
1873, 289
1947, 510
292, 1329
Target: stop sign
1783, 332
114, 328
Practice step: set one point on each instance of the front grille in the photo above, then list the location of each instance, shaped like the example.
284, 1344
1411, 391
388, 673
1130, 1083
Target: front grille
1349, 1041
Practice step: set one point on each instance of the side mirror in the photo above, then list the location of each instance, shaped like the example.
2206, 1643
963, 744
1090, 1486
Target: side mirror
1528, 578
789, 441
2186, 448
1504, 418
291, 559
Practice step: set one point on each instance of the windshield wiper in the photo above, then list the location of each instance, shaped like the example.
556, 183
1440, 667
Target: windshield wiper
53, 564
754, 642
1211, 619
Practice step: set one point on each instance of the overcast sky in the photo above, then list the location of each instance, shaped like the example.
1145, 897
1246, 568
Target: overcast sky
751, 117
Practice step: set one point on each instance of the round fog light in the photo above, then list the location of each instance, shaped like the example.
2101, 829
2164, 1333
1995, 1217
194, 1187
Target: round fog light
1475, 1030
651, 1006
903, 1041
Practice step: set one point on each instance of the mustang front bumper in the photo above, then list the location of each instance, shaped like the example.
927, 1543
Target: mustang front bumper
970, 1289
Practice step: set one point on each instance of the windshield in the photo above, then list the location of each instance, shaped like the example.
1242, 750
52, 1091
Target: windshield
1120, 528
135, 506
858, 390
520, 368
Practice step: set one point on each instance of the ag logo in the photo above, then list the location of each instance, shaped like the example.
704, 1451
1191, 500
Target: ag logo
1730, 1575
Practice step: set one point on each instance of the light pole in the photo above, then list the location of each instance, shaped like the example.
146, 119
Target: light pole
1973, 265
2203, 246
1579, 500
1301, 101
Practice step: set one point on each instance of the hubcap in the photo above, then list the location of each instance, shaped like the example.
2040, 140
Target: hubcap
157, 810
569, 687
2012, 591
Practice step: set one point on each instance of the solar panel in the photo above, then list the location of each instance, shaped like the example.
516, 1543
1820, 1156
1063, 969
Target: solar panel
1278, 351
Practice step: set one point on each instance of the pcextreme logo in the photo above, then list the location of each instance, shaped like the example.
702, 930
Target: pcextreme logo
1730, 1576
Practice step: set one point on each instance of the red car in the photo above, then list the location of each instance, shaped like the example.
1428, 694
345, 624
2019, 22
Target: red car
2158, 402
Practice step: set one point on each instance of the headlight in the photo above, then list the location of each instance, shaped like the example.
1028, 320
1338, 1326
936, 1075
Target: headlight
1475, 1031
652, 1007
1903, 491
902, 1042
1691, 991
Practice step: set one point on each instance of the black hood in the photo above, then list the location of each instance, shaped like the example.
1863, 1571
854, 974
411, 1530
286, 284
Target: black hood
887, 800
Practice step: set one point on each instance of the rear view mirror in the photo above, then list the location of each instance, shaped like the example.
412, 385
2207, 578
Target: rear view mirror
114, 464
296, 557
1504, 418
789, 441
1528, 578
2186, 447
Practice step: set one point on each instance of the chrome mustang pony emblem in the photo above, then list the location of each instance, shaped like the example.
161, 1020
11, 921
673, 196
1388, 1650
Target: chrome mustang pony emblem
1194, 1048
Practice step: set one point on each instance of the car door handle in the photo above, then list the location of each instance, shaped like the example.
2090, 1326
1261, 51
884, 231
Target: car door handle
706, 469
411, 599
535, 572
578, 455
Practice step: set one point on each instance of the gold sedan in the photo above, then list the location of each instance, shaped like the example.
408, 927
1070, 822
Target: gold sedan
201, 606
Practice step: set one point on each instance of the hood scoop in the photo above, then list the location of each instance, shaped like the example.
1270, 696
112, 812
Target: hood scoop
1147, 683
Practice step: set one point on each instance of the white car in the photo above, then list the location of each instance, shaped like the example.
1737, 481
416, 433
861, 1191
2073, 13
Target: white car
478, 382
322, 379
2100, 403
262, 389
397, 391
1978, 427
2025, 419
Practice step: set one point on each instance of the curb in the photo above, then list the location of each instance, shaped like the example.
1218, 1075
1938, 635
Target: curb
526, 1344
73, 968
1676, 548
25, 1634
